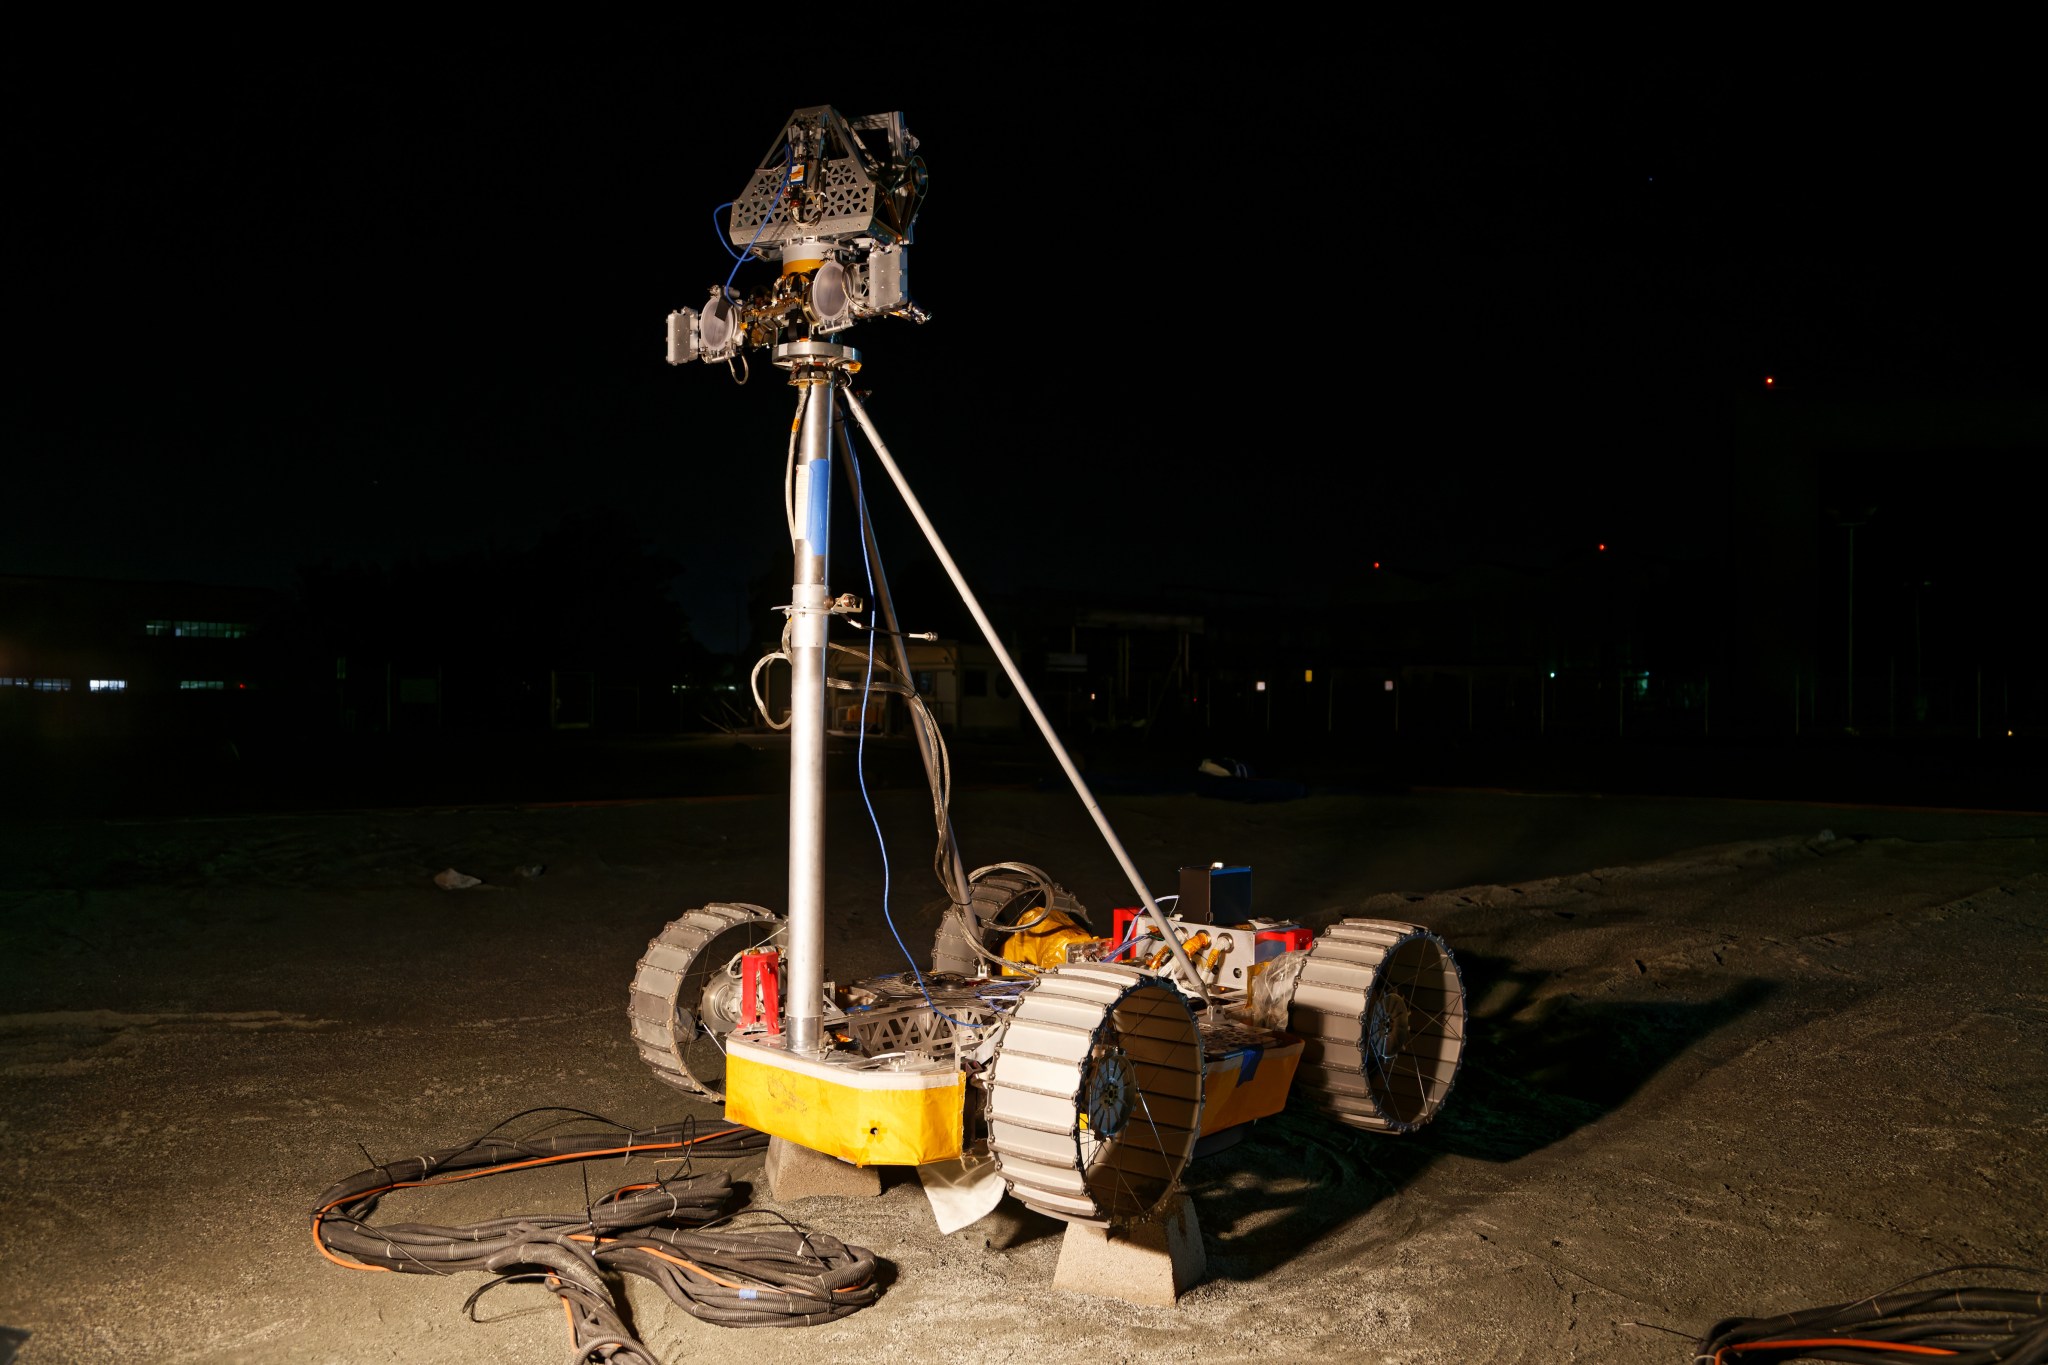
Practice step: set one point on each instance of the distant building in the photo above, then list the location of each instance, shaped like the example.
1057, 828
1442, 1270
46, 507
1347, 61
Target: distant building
81, 656
965, 687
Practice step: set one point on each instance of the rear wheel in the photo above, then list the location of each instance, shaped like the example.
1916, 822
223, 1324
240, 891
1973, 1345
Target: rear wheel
686, 993
1007, 898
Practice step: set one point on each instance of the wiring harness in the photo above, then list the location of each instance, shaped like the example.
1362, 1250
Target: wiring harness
1968, 1325
664, 1230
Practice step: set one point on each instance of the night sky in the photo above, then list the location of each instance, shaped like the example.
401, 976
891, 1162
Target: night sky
1215, 316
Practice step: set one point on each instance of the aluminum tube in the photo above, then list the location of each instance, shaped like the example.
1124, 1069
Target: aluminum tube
988, 631
803, 1006
958, 891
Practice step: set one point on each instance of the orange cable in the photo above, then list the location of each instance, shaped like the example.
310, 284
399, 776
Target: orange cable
321, 1212
773, 1289
520, 1165
628, 1189
691, 1265
587, 1237
321, 1247
1901, 1347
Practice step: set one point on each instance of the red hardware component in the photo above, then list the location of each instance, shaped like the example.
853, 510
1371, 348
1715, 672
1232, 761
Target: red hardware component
1120, 920
761, 990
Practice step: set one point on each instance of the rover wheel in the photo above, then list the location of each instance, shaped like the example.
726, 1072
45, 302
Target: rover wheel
1007, 898
686, 993
1095, 1094
1381, 1007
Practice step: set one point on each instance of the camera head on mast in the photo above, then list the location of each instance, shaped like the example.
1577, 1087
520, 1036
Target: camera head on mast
834, 201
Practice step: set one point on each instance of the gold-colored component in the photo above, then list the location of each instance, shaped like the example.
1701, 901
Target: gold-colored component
801, 267
1191, 945
1044, 944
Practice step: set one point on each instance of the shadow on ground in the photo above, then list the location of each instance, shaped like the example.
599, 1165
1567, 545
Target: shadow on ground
1537, 1070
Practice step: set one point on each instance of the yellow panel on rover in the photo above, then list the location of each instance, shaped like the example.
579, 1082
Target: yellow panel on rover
1248, 1083
867, 1117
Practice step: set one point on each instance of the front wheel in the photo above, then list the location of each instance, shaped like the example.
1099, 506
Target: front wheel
1095, 1094
1381, 1007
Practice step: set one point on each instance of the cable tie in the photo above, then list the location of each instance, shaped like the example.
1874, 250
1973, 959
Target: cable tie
380, 1167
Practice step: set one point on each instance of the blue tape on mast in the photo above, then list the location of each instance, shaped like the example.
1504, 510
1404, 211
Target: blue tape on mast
818, 504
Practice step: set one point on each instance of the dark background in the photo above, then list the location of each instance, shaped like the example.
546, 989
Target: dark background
1219, 316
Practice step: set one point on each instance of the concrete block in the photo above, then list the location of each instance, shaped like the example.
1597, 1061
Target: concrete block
1149, 1263
797, 1172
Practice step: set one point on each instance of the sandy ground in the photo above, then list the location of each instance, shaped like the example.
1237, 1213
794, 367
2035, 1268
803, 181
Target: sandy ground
1738, 1068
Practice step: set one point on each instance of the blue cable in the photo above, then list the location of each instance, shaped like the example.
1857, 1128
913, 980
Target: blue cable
788, 169
860, 759
720, 232
1141, 925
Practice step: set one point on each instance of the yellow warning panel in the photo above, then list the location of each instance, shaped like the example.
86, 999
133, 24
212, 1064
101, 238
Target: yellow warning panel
869, 1117
1248, 1083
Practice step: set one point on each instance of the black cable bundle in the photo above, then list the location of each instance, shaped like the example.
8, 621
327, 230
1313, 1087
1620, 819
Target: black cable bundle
780, 1277
1970, 1325
774, 1277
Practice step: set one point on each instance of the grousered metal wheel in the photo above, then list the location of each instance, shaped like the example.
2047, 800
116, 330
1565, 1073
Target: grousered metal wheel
1095, 1094
1381, 1007
686, 993
1007, 898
